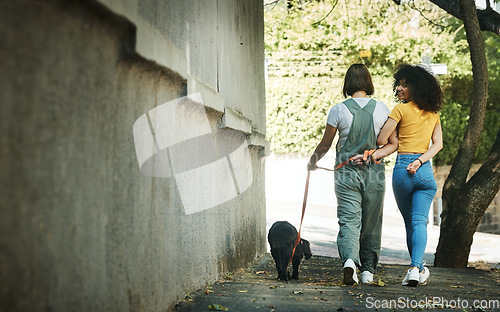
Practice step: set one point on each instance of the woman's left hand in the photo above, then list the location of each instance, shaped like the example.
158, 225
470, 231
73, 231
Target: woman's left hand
413, 167
357, 160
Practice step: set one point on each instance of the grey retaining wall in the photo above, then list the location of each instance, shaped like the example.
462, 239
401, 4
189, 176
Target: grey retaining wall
82, 226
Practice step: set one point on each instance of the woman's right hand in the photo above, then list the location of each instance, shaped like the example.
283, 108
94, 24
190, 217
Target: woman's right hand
413, 167
311, 167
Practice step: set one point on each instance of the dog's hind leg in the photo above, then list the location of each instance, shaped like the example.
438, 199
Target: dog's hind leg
280, 263
284, 259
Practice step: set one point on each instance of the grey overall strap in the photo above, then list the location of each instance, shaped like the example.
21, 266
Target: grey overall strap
362, 133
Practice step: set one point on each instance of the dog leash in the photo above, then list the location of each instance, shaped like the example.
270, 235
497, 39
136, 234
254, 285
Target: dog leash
304, 203
366, 155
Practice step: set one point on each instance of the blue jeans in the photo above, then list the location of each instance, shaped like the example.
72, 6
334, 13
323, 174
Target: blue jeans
414, 194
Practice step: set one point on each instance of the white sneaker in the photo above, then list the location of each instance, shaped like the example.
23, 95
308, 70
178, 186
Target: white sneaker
423, 276
412, 278
366, 277
350, 276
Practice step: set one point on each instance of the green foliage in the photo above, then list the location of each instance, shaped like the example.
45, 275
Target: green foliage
454, 118
297, 110
455, 113
309, 51
453, 121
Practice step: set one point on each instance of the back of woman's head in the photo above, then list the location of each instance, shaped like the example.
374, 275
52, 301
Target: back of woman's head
357, 78
424, 88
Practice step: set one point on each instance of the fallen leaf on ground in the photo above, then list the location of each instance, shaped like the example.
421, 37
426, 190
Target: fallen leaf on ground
379, 283
217, 307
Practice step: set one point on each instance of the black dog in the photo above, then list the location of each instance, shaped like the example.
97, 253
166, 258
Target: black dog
282, 236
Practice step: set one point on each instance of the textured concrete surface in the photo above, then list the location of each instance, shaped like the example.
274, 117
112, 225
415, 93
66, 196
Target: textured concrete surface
81, 227
217, 46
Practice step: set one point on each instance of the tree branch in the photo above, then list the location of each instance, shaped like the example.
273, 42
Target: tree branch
335, 2
411, 3
271, 2
488, 19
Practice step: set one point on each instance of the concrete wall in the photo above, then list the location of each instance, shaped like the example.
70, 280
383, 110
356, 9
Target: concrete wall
218, 46
490, 222
84, 224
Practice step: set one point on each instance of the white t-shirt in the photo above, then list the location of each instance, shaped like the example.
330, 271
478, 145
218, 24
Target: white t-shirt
341, 118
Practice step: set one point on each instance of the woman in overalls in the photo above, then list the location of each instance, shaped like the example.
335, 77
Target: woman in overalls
359, 188
413, 182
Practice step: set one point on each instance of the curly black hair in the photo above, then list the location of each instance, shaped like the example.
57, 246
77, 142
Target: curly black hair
424, 88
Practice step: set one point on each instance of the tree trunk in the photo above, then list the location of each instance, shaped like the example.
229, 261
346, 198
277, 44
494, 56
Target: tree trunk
464, 208
464, 202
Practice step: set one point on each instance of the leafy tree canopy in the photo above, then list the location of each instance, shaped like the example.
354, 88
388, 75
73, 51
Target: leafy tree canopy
310, 46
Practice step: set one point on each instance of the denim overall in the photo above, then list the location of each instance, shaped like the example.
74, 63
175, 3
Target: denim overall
360, 193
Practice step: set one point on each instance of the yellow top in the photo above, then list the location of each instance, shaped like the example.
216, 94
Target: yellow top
415, 127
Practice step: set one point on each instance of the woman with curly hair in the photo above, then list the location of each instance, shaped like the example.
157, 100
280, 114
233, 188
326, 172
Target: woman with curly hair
413, 183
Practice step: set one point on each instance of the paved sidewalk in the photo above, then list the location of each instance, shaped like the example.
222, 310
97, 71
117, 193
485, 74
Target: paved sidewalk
319, 288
